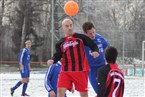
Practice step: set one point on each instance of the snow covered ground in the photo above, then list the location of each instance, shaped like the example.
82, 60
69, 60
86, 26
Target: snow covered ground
134, 86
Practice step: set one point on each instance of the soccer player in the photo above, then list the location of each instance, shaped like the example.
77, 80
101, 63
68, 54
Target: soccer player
51, 79
24, 66
94, 63
110, 77
75, 66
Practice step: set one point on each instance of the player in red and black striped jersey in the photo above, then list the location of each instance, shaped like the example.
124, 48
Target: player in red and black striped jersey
74, 69
71, 50
110, 77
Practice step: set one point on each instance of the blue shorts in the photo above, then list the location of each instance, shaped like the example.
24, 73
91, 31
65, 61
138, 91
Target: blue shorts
25, 73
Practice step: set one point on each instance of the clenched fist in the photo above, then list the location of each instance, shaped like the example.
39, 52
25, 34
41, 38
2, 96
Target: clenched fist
95, 54
50, 62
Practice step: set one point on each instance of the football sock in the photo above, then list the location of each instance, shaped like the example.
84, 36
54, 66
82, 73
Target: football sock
17, 85
24, 88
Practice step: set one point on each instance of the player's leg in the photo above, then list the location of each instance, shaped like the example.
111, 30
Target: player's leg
93, 78
25, 80
80, 80
84, 94
64, 83
18, 83
15, 87
25, 85
61, 92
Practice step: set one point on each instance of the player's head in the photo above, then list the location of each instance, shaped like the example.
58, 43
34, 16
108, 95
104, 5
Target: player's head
28, 44
111, 54
67, 26
89, 29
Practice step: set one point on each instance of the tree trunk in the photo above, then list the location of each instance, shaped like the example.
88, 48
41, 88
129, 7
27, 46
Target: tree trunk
23, 33
1, 17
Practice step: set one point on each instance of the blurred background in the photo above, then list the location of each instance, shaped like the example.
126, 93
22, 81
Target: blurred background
121, 22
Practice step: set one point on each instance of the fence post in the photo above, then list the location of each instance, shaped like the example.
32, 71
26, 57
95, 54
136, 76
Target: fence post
134, 69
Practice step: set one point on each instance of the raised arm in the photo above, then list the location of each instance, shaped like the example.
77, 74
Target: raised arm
88, 42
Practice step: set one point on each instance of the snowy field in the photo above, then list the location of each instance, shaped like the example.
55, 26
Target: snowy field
9, 76
134, 86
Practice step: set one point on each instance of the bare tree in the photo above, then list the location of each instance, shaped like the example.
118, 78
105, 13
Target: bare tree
2, 12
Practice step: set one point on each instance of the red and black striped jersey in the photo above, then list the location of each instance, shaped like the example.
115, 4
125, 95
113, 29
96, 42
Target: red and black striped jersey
110, 81
115, 82
71, 51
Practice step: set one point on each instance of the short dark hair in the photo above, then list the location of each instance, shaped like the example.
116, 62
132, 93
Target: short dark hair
87, 26
111, 54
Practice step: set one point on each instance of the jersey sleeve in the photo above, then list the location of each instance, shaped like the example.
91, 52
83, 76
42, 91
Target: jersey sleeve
22, 52
88, 42
102, 78
101, 83
47, 80
104, 42
58, 54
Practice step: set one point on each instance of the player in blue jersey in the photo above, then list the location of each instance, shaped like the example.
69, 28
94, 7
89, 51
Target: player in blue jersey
94, 63
51, 79
24, 67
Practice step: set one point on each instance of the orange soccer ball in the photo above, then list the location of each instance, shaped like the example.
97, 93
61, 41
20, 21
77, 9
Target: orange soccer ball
71, 8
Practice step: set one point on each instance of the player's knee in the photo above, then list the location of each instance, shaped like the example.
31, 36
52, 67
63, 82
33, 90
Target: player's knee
61, 92
25, 80
83, 94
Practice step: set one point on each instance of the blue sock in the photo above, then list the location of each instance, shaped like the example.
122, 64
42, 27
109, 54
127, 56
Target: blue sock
17, 85
24, 88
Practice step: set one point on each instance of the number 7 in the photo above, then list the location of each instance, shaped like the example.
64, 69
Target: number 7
118, 83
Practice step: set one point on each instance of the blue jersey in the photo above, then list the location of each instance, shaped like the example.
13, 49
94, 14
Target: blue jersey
24, 57
51, 77
102, 44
